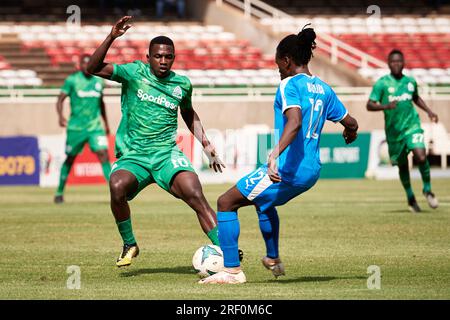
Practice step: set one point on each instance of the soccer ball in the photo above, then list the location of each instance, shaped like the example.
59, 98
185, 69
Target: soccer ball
207, 260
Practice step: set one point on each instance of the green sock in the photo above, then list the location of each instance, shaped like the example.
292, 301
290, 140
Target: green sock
213, 235
406, 182
424, 169
126, 231
65, 169
106, 167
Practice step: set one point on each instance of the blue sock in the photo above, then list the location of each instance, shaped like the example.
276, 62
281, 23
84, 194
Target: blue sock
269, 224
229, 230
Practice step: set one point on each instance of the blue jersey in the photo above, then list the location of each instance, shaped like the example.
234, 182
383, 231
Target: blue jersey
300, 161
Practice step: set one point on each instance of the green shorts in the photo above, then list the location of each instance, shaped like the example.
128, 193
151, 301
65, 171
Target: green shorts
76, 139
398, 150
159, 166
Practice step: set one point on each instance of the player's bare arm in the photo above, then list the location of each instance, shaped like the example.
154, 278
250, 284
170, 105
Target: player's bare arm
59, 109
293, 125
104, 117
194, 124
96, 65
375, 106
422, 105
350, 129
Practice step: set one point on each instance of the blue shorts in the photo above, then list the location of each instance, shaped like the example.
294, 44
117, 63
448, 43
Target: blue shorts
258, 188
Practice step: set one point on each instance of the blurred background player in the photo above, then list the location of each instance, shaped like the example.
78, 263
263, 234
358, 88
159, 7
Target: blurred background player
84, 126
145, 142
394, 94
303, 103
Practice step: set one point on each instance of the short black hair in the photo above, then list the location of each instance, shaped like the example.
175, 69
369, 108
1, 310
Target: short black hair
298, 46
395, 51
161, 40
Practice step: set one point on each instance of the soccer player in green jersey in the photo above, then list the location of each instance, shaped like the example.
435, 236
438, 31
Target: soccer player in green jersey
84, 126
394, 94
146, 146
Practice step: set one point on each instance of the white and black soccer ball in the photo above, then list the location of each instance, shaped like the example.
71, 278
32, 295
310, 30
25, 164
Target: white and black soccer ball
207, 260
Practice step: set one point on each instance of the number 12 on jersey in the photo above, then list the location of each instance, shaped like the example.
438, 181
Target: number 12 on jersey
314, 119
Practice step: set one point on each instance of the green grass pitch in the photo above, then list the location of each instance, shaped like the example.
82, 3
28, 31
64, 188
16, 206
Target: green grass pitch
329, 236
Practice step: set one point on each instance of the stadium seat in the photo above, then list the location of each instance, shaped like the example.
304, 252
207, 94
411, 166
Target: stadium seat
437, 140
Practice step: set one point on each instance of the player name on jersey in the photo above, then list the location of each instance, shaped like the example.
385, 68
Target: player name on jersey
315, 88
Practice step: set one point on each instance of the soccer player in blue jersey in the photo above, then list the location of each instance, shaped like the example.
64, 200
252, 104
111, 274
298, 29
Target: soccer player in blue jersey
303, 103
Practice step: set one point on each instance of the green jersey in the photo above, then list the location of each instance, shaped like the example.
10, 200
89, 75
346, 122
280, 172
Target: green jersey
85, 95
403, 120
149, 108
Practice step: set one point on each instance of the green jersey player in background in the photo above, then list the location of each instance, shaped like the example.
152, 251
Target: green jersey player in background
86, 107
394, 94
146, 146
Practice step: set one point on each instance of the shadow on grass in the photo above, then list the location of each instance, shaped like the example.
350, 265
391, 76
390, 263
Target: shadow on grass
312, 279
408, 211
179, 270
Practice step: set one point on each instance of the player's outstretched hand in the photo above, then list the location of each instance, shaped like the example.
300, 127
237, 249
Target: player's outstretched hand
349, 135
120, 27
272, 170
62, 122
433, 117
214, 160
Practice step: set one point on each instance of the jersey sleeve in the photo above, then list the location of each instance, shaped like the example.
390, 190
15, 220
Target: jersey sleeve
289, 96
67, 86
124, 72
377, 91
336, 110
186, 103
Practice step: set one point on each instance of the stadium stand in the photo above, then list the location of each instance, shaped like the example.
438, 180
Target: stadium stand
207, 53
212, 56
425, 41
355, 7
56, 10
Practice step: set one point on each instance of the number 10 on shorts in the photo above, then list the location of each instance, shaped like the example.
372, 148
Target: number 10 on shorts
180, 162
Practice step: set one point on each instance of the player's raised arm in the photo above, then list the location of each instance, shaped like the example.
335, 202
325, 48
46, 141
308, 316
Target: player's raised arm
96, 65
291, 129
351, 129
194, 124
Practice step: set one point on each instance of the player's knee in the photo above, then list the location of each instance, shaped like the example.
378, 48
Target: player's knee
421, 158
195, 197
103, 157
224, 203
118, 188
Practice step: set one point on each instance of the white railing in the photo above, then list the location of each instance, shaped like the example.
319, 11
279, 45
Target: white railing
338, 50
